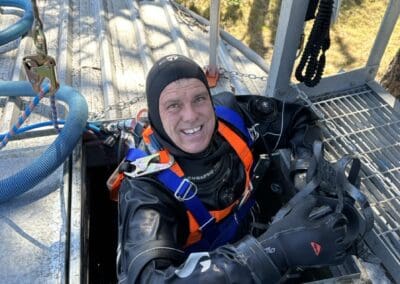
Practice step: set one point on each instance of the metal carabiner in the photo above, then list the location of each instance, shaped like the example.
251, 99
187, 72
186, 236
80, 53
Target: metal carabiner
148, 164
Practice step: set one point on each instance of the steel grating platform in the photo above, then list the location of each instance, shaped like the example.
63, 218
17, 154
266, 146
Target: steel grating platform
360, 122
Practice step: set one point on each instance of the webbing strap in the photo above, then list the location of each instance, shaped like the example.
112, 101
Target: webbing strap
185, 191
233, 118
134, 154
240, 147
226, 231
223, 232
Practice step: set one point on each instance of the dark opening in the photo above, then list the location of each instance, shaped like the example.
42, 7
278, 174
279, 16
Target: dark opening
100, 216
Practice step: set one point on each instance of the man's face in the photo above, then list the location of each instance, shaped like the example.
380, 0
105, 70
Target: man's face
187, 114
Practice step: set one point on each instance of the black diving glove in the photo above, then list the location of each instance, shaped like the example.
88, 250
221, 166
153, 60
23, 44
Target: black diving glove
310, 235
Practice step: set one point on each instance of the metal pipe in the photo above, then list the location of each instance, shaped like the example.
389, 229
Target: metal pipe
289, 31
214, 33
245, 50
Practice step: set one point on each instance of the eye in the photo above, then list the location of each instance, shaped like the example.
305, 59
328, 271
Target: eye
200, 99
172, 106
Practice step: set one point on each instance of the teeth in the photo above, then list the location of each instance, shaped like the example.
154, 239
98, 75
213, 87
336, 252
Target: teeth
191, 131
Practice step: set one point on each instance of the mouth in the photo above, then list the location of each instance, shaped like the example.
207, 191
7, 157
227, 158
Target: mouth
192, 131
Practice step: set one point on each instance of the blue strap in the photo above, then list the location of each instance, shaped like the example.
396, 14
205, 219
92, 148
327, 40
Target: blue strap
186, 191
228, 228
224, 232
134, 154
234, 119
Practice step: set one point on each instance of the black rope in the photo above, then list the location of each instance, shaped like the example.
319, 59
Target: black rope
313, 58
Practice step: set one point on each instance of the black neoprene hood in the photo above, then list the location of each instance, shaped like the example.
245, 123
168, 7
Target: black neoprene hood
165, 71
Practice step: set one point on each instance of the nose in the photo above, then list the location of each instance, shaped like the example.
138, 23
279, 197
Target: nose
188, 113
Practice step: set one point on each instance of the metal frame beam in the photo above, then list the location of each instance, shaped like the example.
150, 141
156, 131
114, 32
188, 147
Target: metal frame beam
289, 31
214, 32
382, 38
334, 83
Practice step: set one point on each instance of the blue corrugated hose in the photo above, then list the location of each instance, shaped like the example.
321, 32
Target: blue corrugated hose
29, 127
32, 126
22, 26
58, 151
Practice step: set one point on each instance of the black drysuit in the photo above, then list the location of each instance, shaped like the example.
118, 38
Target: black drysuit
153, 225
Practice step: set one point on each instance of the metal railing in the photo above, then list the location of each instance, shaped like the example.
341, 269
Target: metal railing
363, 124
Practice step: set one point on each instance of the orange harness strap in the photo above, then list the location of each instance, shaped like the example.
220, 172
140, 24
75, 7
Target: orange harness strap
240, 147
194, 231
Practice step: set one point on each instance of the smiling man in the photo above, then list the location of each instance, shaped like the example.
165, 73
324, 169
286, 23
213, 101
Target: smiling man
197, 217
187, 114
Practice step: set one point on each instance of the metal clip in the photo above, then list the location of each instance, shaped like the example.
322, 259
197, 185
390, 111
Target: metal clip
39, 39
187, 194
254, 134
149, 164
39, 67
246, 194
38, 35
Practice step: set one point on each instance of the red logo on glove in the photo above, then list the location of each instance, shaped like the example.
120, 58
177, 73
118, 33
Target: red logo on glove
316, 248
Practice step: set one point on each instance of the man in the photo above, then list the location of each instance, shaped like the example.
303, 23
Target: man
194, 217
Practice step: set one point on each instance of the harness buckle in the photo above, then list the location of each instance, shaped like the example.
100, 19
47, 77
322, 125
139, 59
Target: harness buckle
187, 193
148, 164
